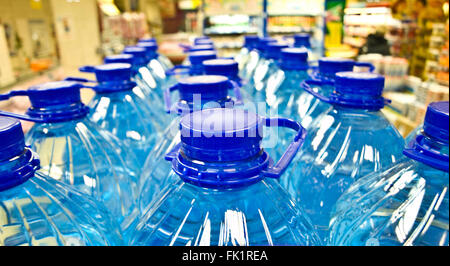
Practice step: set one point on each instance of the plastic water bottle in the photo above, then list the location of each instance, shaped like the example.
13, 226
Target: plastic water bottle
256, 57
164, 60
75, 151
195, 93
304, 40
264, 70
321, 80
143, 75
242, 58
120, 107
157, 69
413, 134
225, 67
225, 191
407, 203
194, 49
39, 211
152, 97
196, 61
283, 88
349, 141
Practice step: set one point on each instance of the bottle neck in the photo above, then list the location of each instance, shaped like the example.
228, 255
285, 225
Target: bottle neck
430, 151
221, 175
18, 169
59, 113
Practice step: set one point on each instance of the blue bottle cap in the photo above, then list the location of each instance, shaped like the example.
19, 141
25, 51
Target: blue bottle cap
221, 134
328, 67
113, 77
151, 49
12, 139
211, 88
197, 58
294, 58
302, 39
436, 122
54, 93
359, 90
197, 48
120, 58
139, 53
151, 40
263, 42
224, 67
274, 50
251, 41
425, 148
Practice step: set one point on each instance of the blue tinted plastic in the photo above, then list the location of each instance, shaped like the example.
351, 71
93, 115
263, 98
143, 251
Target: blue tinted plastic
342, 145
37, 210
155, 173
404, 205
259, 215
91, 160
266, 216
127, 115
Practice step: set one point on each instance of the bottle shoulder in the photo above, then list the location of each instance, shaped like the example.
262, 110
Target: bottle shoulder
245, 211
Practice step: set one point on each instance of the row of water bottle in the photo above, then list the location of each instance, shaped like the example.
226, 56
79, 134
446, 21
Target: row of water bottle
271, 148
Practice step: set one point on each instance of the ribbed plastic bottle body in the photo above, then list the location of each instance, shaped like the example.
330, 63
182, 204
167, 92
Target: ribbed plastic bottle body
406, 204
258, 215
312, 107
126, 115
341, 146
156, 173
44, 212
91, 160
165, 62
149, 86
263, 71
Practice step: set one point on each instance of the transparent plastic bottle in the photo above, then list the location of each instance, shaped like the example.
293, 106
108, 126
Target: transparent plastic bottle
157, 68
349, 141
256, 57
120, 107
412, 135
164, 60
407, 203
36, 210
258, 83
196, 93
142, 74
75, 151
322, 82
283, 91
243, 56
225, 192
150, 97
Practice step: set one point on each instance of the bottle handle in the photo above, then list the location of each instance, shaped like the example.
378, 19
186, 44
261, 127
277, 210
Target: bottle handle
306, 86
278, 169
87, 69
167, 98
21, 117
237, 92
173, 153
365, 64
